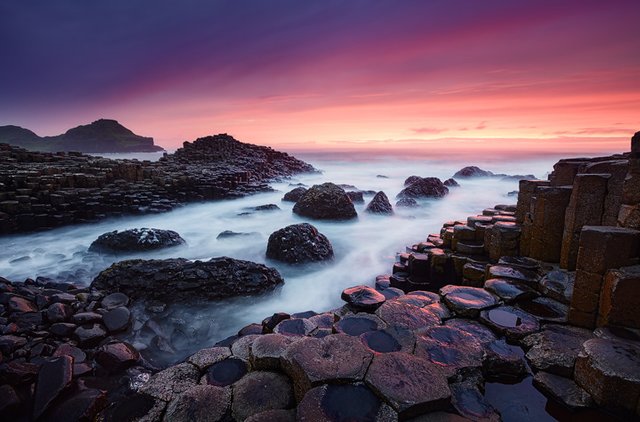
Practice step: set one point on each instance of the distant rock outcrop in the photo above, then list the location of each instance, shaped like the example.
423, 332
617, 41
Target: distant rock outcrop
451, 183
298, 244
294, 194
473, 171
136, 240
103, 135
424, 187
326, 202
380, 204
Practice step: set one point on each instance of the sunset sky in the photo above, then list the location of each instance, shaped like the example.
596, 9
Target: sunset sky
419, 75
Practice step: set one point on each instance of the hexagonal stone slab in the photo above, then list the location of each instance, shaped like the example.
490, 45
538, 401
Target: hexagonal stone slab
357, 324
555, 348
479, 331
392, 339
397, 314
563, 389
509, 290
546, 309
259, 391
226, 372
267, 351
206, 357
510, 322
609, 370
503, 362
171, 382
200, 403
295, 327
512, 272
278, 415
363, 298
411, 385
350, 402
334, 358
450, 348
467, 301
240, 347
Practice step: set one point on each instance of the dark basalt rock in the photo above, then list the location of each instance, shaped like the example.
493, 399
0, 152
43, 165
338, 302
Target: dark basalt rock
546, 310
82, 406
53, 378
294, 195
266, 207
449, 348
509, 290
183, 280
325, 202
467, 301
409, 384
514, 273
407, 203
259, 391
349, 402
470, 403
117, 319
277, 415
391, 339
479, 331
411, 180
299, 244
472, 171
267, 350
116, 357
380, 205
89, 335
357, 324
294, 327
407, 316
451, 183
228, 234
171, 382
136, 240
200, 403
114, 300
363, 297
357, 197
563, 389
268, 324
511, 322
503, 362
426, 187
226, 372
204, 358
59, 312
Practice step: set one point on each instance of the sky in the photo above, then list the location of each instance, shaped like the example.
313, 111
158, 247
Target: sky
376, 75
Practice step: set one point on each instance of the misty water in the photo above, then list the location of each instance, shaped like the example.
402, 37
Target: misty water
364, 247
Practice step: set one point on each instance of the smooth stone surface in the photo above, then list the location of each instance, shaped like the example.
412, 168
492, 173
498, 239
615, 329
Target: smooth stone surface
402, 315
90, 335
509, 290
226, 372
558, 285
53, 378
259, 391
115, 357
240, 348
171, 382
356, 324
391, 339
511, 322
363, 297
343, 403
546, 310
334, 358
480, 332
555, 348
450, 348
295, 327
503, 271
411, 385
503, 362
115, 300
471, 404
117, 319
467, 301
565, 390
204, 358
204, 403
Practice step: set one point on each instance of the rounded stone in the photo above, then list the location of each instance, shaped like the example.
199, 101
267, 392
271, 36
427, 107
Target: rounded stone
278, 415
116, 357
115, 300
342, 403
171, 382
411, 385
326, 202
117, 319
136, 240
206, 357
58, 312
402, 315
363, 297
294, 195
240, 348
89, 335
299, 244
259, 391
379, 205
204, 403
467, 301
424, 187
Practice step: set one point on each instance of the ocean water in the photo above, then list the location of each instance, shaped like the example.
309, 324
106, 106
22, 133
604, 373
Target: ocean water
364, 247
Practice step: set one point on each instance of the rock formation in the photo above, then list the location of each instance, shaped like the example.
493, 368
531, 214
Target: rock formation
136, 240
379, 205
299, 244
423, 187
325, 202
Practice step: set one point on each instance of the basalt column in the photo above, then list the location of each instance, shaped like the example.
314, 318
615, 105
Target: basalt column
629, 215
549, 204
524, 210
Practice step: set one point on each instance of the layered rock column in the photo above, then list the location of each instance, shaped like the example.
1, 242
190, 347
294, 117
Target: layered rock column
601, 248
620, 298
546, 227
629, 215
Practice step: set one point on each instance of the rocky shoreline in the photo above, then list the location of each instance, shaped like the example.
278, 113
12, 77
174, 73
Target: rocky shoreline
40, 190
543, 293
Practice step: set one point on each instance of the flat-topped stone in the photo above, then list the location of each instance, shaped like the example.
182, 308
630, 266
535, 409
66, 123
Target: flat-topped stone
512, 272
402, 315
363, 297
357, 324
467, 301
200, 403
259, 391
546, 309
565, 390
509, 290
511, 322
450, 348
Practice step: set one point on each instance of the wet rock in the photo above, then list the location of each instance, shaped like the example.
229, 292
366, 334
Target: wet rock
53, 378
407, 203
295, 327
171, 382
467, 301
409, 384
59, 312
204, 358
250, 329
259, 391
62, 329
609, 371
325, 202
450, 348
82, 406
334, 358
66, 349
227, 234
175, 280
509, 290
114, 300
402, 315
356, 324
411, 180
266, 207
363, 298
268, 324
380, 205
136, 240
503, 362
565, 390
20, 304
204, 403
392, 292
267, 351
87, 318
391, 339
298, 244
16, 372
439, 417
117, 319
138, 407
511, 322
116, 357
426, 187
357, 197
226, 372
9, 343
349, 402
295, 194
89, 335
240, 348
520, 262
278, 415
546, 310
451, 183
470, 403
528, 277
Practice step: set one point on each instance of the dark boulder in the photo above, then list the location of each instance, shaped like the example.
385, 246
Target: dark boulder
136, 240
411, 180
451, 183
325, 202
407, 203
299, 243
472, 171
179, 279
380, 204
357, 197
295, 194
116, 357
425, 187
53, 378
363, 297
